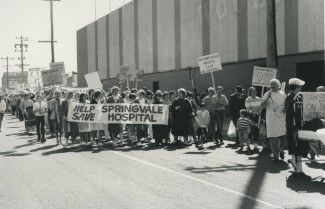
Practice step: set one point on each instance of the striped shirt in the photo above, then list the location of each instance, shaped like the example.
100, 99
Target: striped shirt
244, 123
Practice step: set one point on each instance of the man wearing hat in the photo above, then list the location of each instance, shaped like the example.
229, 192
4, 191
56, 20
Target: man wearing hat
236, 103
293, 105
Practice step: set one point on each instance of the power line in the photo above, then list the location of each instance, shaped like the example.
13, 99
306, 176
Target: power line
22, 47
7, 65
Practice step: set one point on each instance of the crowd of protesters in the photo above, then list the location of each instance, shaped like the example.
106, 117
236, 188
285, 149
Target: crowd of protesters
193, 118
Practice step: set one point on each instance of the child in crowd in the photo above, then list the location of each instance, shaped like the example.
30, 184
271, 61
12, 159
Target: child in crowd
243, 127
202, 121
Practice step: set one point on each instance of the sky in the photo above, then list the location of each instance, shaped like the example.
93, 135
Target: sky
31, 18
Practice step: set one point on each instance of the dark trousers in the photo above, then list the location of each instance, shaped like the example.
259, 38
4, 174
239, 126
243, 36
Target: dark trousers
255, 132
212, 125
142, 131
202, 133
56, 127
1, 118
220, 114
40, 130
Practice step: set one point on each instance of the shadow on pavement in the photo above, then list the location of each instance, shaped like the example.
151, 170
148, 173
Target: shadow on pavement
7, 152
30, 143
207, 169
43, 148
17, 154
316, 165
17, 134
315, 185
264, 164
197, 153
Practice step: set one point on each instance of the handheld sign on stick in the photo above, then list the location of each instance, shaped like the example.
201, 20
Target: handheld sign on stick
209, 64
262, 77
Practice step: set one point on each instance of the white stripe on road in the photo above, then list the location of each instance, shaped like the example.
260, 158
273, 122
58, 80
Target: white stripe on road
198, 180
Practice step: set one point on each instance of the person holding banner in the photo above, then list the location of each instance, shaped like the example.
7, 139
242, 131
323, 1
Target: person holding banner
84, 128
96, 127
115, 129
40, 110
160, 132
142, 129
70, 128
253, 106
297, 148
182, 114
274, 102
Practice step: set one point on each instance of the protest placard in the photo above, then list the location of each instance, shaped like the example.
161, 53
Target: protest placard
210, 63
57, 66
52, 77
313, 105
118, 113
263, 75
137, 75
93, 80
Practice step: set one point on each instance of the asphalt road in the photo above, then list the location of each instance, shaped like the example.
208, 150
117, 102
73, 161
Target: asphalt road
34, 175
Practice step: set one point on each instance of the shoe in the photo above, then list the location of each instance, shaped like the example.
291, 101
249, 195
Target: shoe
282, 155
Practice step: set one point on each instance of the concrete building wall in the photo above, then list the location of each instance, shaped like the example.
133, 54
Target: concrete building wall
114, 41
169, 35
102, 48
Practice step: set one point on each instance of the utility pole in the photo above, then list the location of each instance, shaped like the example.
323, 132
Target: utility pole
52, 30
272, 52
22, 49
7, 65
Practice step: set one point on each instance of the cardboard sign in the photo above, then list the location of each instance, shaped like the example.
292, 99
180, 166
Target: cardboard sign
52, 77
263, 75
57, 65
127, 70
93, 80
313, 105
137, 75
210, 63
118, 113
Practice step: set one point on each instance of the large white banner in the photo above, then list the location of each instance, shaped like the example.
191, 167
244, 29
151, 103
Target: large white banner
313, 105
210, 63
118, 113
93, 80
263, 75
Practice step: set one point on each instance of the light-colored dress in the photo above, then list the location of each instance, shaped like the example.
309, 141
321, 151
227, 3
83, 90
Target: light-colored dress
275, 118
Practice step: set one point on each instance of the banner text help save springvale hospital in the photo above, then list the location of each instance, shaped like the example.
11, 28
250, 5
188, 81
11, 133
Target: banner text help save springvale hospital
119, 113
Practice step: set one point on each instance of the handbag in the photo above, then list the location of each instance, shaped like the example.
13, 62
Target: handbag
231, 130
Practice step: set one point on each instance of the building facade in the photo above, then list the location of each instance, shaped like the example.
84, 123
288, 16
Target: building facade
14, 79
165, 38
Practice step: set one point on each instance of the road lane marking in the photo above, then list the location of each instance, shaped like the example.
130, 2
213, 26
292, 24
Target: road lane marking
198, 180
